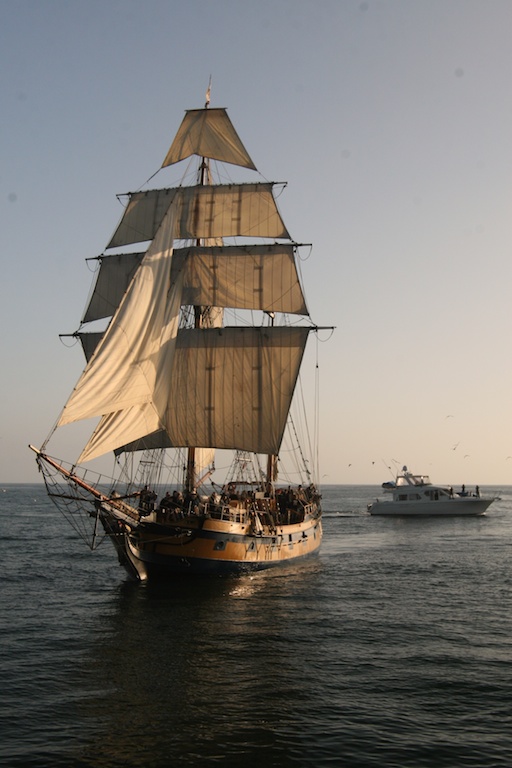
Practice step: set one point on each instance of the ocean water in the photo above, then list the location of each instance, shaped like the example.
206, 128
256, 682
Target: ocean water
392, 647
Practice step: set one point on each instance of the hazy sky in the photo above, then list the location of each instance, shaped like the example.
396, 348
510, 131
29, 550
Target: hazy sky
391, 120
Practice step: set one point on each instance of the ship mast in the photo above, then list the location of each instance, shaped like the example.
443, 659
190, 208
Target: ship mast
203, 179
203, 318
271, 458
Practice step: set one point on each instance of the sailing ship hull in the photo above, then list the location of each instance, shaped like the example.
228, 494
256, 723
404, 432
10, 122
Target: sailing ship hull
206, 546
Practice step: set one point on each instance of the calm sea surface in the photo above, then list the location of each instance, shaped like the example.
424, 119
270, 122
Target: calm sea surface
392, 647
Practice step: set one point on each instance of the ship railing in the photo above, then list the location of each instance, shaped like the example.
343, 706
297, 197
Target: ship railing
118, 503
311, 510
233, 512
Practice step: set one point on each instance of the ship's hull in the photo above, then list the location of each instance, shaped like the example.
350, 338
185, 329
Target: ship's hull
457, 506
205, 546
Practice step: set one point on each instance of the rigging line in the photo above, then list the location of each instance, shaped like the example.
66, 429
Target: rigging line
304, 245
302, 403
151, 177
52, 431
73, 336
176, 183
94, 269
316, 419
330, 328
388, 468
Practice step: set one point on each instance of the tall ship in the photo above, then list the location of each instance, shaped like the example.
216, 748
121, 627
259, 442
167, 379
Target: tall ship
193, 344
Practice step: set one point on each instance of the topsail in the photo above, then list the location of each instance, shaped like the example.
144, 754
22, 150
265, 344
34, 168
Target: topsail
208, 133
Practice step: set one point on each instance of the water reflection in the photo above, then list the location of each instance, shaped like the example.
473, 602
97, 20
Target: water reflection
199, 670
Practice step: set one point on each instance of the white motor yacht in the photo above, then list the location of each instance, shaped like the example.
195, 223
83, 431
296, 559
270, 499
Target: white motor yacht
416, 495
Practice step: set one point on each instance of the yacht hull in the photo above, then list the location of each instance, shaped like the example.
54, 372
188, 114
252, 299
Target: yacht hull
458, 506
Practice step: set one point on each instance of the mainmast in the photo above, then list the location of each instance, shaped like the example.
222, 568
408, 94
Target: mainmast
271, 458
203, 179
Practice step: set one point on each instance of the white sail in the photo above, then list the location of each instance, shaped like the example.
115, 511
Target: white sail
226, 210
146, 417
122, 371
203, 458
208, 133
117, 428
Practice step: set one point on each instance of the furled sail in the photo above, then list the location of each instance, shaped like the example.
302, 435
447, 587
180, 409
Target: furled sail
208, 133
225, 210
